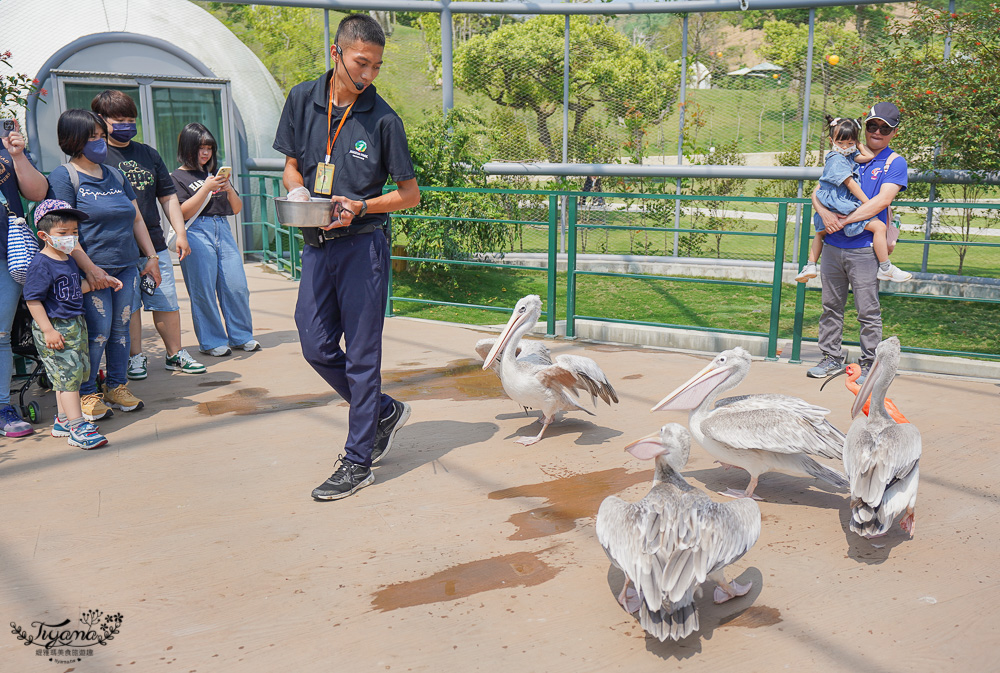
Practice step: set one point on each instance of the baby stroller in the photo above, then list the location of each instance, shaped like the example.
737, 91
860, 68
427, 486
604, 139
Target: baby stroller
23, 345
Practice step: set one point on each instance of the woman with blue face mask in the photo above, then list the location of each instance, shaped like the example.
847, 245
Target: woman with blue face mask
112, 241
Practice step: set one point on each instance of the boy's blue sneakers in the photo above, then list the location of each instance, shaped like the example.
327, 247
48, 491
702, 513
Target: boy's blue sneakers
59, 429
86, 436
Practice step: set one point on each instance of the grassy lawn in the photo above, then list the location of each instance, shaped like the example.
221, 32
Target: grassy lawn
923, 323
656, 238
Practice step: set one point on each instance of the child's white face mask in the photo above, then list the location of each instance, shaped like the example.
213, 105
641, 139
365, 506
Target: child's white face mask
844, 151
63, 244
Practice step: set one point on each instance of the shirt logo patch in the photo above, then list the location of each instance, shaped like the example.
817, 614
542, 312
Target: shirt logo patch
361, 146
875, 173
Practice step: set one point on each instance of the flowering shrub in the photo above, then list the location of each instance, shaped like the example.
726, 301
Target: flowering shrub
15, 88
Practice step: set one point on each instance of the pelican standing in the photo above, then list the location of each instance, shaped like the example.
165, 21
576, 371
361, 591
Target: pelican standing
759, 433
674, 539
531, 378
881, 456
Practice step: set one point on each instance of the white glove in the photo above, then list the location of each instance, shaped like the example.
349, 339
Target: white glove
299, 194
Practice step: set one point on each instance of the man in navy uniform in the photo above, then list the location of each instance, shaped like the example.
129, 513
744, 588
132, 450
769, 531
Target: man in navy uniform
342, 141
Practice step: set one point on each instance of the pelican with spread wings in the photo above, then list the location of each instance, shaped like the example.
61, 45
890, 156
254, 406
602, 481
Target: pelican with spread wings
533, 379
674, 539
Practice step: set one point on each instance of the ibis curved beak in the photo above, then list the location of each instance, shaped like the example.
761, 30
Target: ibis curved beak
833, 376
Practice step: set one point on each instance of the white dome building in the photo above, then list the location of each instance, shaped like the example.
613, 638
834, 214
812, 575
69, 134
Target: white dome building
179, 64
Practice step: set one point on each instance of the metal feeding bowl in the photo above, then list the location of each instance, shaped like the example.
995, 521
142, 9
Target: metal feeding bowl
316, 212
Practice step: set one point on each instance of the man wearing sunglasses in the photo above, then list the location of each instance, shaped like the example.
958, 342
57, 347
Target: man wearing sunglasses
849, 262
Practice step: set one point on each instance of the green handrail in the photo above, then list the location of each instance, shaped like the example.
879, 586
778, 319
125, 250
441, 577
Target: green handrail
269, 186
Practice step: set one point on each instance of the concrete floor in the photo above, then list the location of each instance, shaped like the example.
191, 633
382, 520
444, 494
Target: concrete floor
470, 552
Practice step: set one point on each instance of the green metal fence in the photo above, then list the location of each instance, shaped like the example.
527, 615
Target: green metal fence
280, 247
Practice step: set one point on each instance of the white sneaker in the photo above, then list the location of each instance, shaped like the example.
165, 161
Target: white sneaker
895, 274
218, 351
136, 367
810, 270
250, 346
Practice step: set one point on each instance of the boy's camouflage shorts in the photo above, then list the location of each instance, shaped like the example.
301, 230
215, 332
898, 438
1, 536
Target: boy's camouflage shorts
70, 367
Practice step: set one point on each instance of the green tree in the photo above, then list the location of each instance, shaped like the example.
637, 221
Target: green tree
520, 66
287, 40
447, 152
950, 107
786, 44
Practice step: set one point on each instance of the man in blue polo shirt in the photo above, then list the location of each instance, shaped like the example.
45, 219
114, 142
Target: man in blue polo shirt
341, 140
850, 261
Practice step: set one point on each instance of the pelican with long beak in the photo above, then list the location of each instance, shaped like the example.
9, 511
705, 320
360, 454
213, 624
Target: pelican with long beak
853, 372
881, 456
531, 378
674, 539
759, 433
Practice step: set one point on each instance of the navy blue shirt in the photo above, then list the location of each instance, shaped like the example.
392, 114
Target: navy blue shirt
55, 283
872, 176
150, 180
8, 185
371, 146
107, 236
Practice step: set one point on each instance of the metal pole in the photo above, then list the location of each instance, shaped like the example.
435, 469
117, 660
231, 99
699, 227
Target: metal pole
565, 133
680, 128
805, 131
447, 61
565, 138
929, 222
326, 36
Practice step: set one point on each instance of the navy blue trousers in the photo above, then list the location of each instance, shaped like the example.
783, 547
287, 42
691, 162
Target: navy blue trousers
342, 293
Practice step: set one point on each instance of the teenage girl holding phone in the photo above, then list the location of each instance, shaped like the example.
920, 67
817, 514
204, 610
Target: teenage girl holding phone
213, 272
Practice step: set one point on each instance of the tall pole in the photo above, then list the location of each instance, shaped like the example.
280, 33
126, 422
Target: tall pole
565, 133
680, 127
929, 222
326, 36
805, 130
447, 60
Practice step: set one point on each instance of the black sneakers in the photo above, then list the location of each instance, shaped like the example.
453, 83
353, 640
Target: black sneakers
387, 428
347, 479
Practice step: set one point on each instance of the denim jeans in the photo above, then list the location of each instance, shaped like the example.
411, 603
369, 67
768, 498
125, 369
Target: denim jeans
108, 314
214, 278
10, 292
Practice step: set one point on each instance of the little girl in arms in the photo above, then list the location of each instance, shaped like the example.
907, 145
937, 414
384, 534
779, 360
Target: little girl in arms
840, 192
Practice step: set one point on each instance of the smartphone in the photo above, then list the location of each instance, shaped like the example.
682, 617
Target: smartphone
6, 127
224, 173
148, 285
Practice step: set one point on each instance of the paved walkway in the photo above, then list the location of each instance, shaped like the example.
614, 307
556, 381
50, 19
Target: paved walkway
470, 552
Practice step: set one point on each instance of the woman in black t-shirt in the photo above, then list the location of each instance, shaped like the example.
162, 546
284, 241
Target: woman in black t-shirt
213, 272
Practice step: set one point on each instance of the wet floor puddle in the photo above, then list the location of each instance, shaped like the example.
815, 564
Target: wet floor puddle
462, 379
523, 569
249, 401
570, 498
754, 617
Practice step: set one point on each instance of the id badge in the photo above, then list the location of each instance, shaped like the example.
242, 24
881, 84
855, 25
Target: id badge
324, 179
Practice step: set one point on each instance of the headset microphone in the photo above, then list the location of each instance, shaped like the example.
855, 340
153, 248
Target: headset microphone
340, 52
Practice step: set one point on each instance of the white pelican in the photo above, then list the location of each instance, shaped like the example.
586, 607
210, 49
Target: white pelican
532, 379
759, 433
674, 539
881, 456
